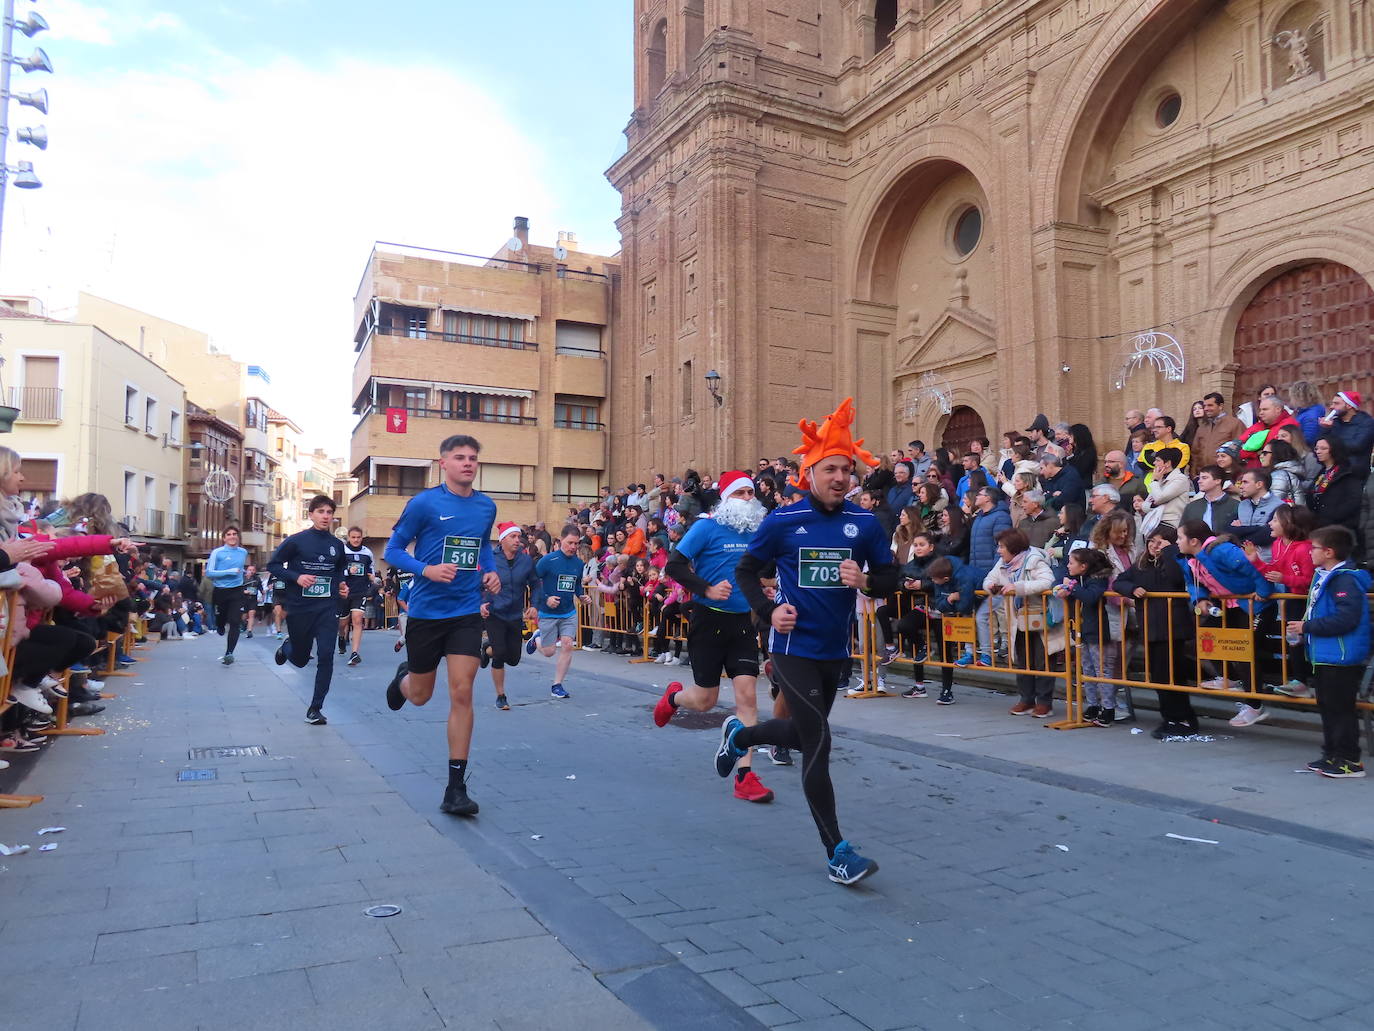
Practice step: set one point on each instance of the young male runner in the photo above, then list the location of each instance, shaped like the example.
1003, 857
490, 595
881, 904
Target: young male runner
505, 613
560, 576
225, 569
402, 609
252, 588
359, 580
820, 545
450, 528
311, 564
721, 635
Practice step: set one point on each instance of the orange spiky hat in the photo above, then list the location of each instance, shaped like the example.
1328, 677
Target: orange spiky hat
832, 437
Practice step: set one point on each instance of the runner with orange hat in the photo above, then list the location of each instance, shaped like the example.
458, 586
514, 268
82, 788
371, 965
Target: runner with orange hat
825, 549
721, 636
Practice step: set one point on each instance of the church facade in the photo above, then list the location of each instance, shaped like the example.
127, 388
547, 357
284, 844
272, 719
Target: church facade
964, 212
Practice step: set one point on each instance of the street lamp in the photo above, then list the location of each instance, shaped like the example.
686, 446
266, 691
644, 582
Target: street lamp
713, 385
38, 61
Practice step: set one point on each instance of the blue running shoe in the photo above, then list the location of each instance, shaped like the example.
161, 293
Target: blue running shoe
77, 667
984, 659
728, 754
558, 691
848, 867
965, 659
532, 645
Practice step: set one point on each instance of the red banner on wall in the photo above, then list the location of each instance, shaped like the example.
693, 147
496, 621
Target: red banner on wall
396, 420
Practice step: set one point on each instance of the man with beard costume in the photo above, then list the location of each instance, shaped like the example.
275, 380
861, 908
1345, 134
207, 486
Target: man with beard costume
720, 637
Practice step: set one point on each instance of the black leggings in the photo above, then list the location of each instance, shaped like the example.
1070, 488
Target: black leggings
1174, 706
228, 603
809, 685
504, 638
49, 648
674, 610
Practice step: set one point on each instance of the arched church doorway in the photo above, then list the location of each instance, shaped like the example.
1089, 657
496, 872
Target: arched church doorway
1313, 323
962, 426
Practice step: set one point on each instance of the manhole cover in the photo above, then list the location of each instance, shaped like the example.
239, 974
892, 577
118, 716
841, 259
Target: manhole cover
699, 720
381, 911
185, 776
226, 752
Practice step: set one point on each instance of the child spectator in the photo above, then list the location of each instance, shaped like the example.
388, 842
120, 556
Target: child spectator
1088, 575
1290, 571
1336, 628
954, 587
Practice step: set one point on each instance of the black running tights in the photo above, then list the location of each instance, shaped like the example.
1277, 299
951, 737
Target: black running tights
809, 685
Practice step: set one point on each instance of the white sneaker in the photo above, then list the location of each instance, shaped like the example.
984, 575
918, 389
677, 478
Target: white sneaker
4, 764
856, 691
32, 697
591, 647
48, 683
1215, 684
1249, 715
674, 660
661, 658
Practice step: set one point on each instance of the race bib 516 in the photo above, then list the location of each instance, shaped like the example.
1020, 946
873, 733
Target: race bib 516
319, 589
461, 551
819, 568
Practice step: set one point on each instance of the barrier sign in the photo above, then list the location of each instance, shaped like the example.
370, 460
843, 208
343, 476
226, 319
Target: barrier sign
1222, 645
960, 629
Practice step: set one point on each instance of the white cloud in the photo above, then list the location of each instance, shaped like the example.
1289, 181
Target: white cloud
243, 201
79, 23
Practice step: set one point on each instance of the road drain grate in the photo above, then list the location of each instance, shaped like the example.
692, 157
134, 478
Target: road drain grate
226, 752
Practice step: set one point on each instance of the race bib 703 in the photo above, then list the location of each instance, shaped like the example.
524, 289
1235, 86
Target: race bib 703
819, 568
461, 551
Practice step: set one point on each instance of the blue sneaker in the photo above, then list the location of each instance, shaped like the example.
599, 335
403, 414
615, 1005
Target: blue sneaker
984, 659
123, 659
532, 645
77, 667
848, 867
558, 691
728, 754
964, 659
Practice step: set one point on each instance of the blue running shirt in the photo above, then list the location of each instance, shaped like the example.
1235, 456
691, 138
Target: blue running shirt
560, 575
714, 551
444, 528
808, 546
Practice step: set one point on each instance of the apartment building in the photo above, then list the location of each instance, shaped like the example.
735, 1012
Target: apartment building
321, 474
95, 415
214, 453
510, 349
257, 505
285, 437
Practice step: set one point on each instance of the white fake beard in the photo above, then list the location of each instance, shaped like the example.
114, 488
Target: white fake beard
742, 515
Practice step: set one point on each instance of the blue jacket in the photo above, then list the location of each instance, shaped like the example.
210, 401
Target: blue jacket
1064, 488
982, 546
1088, 592
1307, 419
1337, 624
516, 575
1230, 568
899, 497
965, 582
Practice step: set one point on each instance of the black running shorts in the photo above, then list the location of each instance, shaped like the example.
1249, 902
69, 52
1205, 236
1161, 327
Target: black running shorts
506, 644
429, 640
721, 642
353, 601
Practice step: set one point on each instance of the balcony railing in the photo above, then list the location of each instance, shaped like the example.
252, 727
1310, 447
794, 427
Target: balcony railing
43, 404
419, 333
447, 413
154, 523
386, 490
577, 424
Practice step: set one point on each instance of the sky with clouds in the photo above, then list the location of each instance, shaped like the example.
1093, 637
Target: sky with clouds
228, 165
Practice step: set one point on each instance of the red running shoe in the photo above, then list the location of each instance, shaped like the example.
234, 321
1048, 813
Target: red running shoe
751, 789
664, 709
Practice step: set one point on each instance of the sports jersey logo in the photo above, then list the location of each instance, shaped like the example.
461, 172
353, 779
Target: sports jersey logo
850, 530
799, 530
333, 551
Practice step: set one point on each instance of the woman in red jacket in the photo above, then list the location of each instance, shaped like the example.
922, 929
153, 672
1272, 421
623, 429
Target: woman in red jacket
1290, 570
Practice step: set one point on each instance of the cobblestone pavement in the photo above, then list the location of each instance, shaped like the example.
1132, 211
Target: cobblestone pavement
611, 869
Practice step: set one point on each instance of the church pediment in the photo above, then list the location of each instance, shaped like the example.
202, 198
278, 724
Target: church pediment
957, 335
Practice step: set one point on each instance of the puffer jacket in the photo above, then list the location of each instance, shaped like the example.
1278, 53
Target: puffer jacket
1229, 566
964, 582
1159, 616
1286, 483
1032, 579
517, 575
982, 541
1337, 623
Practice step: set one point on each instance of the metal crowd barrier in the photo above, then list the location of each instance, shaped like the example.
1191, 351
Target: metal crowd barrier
1253, 645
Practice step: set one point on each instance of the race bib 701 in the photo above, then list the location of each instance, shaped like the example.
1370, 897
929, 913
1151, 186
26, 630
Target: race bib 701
819, 568
567, 583
319, 589
461, 551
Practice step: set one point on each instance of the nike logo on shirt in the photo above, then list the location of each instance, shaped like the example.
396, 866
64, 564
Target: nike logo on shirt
442, 518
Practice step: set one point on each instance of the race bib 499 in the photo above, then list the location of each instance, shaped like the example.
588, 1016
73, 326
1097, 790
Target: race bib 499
819, 568
319, 589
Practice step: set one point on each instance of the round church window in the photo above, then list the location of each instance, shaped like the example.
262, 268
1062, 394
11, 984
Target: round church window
1166, 114
968, 230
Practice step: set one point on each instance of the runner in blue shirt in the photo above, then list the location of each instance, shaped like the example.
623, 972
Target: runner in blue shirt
225, 569
450, 529
560, 575
820, 546
720, 636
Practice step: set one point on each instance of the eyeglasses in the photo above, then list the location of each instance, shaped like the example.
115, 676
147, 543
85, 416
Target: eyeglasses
1266, 452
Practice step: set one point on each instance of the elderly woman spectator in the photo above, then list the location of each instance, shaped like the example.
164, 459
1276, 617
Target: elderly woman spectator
1020, 582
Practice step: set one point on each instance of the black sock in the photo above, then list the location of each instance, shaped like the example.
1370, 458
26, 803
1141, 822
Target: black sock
457, 770
672, 699
741, 772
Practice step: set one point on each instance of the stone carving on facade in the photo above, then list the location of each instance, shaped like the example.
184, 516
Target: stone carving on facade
1299, 62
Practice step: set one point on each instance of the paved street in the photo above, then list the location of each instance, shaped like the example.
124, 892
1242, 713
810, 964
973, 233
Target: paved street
611, 881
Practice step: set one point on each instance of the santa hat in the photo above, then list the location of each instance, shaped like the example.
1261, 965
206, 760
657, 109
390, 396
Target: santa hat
733, 481
1352, 398
504, 530
831, 438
